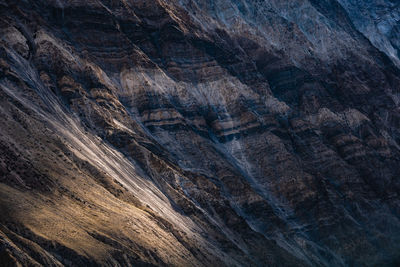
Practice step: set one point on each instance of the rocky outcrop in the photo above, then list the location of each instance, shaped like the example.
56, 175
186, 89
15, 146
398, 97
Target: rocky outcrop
197, 132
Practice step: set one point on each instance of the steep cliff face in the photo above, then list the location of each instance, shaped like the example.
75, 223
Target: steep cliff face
379, 22
196, 132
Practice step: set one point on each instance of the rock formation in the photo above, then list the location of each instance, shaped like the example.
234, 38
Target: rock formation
199, 133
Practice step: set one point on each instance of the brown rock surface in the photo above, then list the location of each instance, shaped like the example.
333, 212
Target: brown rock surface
199, 133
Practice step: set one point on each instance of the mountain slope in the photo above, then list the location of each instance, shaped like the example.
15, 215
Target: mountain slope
198, 132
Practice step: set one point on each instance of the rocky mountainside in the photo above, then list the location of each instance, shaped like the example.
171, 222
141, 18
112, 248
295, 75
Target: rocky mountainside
200, 132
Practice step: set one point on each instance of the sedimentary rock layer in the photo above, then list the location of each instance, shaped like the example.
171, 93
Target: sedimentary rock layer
199, 133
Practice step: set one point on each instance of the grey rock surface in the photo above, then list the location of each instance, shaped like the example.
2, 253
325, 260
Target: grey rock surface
199, 133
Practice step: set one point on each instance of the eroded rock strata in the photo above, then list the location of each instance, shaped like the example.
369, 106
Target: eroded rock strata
199, 133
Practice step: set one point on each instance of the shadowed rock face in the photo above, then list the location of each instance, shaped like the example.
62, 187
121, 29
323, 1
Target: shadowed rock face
204, 133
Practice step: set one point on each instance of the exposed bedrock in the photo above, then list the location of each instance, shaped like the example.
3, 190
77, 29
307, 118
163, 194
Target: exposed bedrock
199, 133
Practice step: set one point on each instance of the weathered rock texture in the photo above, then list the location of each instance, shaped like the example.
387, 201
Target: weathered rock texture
199, 133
